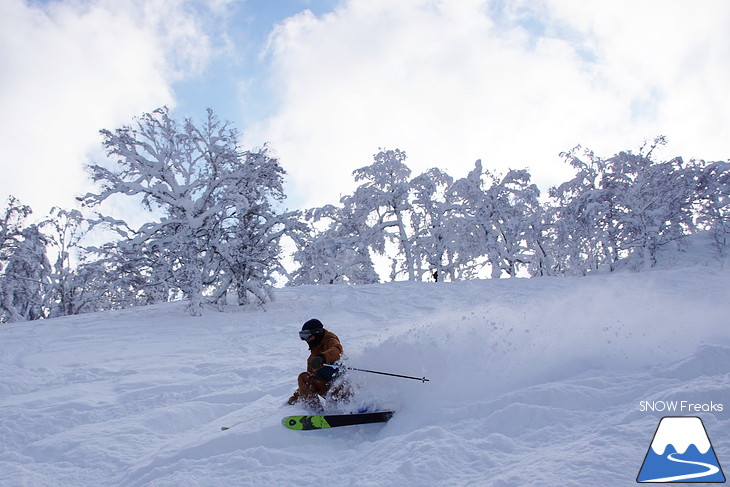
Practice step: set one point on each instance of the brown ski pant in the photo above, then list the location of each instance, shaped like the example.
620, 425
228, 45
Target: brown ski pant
312, 387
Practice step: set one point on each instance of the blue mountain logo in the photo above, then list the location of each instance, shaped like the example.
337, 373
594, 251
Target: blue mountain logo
681, 452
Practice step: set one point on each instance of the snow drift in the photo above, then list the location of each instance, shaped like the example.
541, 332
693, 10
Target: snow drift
532, 382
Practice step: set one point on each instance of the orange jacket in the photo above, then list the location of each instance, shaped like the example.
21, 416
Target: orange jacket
329, 347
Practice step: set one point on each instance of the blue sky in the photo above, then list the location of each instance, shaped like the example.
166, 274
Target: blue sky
326, 83
235, 77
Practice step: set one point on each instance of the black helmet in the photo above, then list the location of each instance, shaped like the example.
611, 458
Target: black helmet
311, 327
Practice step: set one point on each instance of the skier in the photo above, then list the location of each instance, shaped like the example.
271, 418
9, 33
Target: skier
319, 380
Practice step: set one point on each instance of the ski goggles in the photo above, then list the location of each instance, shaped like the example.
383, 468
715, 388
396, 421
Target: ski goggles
304, 334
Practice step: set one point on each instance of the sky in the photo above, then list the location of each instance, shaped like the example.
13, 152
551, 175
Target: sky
327, 83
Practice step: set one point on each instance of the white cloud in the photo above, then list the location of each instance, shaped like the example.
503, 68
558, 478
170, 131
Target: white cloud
449, 81
72, 68
512, 83
672, 59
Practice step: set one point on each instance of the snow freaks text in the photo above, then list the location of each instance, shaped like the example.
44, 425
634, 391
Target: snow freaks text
681, 407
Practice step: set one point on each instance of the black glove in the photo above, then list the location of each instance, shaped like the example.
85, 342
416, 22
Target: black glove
293, 399
316, 362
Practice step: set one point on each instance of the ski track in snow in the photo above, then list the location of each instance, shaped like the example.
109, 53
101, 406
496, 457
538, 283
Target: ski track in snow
532, 382
711, 470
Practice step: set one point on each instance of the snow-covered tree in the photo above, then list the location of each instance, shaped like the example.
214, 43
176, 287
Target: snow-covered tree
15, 274
477, 214
27, 278
384, 198
584, 224
252, 229
617, 209
516, 219
656, 202
339, 254
43, 273
12, 221
713, 199
503, 215
430, 227
217, 226
122, 275
626, 206
543, 262
443, 240
432, 240
64, 230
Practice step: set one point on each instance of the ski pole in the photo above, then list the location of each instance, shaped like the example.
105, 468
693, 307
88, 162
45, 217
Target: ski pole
422, 379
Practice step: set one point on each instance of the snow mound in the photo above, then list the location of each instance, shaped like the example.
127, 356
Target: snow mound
531, 382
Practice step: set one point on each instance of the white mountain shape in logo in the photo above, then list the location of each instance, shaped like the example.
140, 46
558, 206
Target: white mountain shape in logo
681, 432
691, 457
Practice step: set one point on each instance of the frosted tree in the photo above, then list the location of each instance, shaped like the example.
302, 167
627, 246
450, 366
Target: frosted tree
44, 274
543, 229
11, 235
432, 240
585, 227
415, 222
12, 222
625, 206
384, 199
216, 226
64, 230
442, 238
27, 278
252, 229
502, 216
516, 218
337, 255
123, 275
656, 200
478, 215
713, 198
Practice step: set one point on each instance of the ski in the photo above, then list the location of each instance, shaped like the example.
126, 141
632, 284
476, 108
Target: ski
317, 422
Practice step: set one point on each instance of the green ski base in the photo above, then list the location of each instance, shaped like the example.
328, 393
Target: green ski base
318, 422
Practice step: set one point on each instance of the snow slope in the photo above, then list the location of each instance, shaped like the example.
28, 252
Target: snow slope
532, 382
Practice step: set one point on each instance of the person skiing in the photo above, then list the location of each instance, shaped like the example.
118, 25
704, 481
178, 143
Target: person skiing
318, 381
